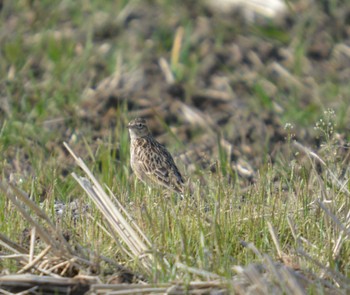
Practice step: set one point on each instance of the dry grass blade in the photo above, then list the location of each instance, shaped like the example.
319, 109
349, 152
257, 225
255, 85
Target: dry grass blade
269, 278
197, 118
253, 274
30, 204
252, 247
109, 214
32, 244
165, 67
130, 219
46, 284
313, 155
52, 237
12, 246
175, 52
275, 239
128, 234
152, 290
200, 272
2, 291
335, 275
210, 287
284, 278
342, 188
334, 218
29, 291
24, 259
35, 261
267, 8
293, 230
286, 76
20, 255
110, 232
341, 239
58, 256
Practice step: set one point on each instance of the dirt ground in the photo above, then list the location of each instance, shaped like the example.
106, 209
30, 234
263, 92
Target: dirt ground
228, 80
263, 75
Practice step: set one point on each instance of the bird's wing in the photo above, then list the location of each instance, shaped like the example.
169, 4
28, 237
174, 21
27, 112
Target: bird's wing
163, 170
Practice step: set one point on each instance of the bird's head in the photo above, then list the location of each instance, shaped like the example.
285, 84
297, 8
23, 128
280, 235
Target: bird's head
138, 128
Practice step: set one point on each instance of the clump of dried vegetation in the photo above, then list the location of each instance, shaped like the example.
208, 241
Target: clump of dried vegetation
254, 107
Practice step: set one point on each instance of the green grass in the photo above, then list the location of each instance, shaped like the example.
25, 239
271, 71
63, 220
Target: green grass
209, 231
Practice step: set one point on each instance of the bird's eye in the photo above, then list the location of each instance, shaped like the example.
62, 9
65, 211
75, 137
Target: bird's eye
139, 125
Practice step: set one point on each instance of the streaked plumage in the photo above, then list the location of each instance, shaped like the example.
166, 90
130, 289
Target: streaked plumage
150, 160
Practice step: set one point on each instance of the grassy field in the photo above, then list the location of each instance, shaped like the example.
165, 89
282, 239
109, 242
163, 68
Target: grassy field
255, 113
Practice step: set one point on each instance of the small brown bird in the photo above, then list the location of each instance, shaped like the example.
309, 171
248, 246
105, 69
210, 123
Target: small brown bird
150, 161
